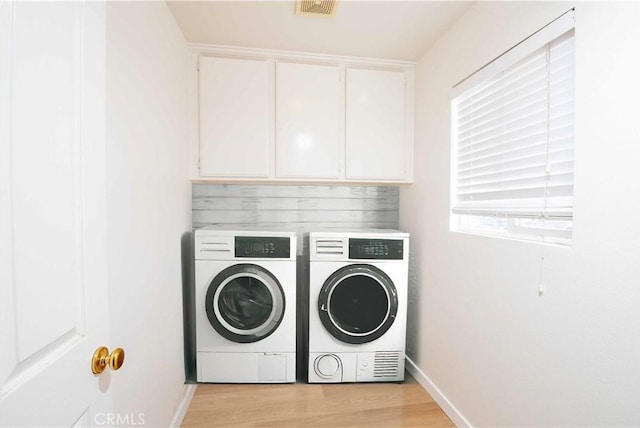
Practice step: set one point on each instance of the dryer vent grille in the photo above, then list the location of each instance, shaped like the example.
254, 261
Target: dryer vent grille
386, 365
330, 247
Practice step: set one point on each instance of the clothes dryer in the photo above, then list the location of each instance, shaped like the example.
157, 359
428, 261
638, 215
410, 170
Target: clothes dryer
357, 312
245, 306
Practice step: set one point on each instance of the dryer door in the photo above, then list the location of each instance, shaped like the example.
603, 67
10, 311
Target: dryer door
245, 303
358, 303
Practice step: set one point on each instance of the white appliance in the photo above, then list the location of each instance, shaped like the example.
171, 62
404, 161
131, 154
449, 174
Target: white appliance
357, 309
245, 306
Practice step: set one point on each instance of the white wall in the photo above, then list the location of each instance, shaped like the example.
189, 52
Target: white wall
501, 354
149, 200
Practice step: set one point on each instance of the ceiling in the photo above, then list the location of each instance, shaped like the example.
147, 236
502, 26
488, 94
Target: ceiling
400, 30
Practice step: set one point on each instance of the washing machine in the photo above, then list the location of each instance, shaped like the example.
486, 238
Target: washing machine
245, 306
357, 311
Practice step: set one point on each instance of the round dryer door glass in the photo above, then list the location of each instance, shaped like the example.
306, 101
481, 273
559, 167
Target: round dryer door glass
358, 303
245, 303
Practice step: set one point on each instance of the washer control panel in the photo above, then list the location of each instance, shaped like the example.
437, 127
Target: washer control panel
244, 245
267, 247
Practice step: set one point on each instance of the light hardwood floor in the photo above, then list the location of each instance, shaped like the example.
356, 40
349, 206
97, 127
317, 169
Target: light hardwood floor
326, 405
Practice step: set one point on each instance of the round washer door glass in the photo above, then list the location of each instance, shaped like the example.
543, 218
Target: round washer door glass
245, 303
358, 303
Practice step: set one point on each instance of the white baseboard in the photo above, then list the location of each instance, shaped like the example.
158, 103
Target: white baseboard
446, 405
183, 405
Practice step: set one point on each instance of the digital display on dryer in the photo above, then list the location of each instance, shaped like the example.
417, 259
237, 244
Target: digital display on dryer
376, 249
262, 247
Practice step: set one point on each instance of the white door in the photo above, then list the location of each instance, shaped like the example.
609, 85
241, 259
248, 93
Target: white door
53, 279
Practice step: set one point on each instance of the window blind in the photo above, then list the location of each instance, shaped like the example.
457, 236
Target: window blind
514, 138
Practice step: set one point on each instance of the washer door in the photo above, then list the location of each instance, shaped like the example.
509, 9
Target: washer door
358, 303
245, 303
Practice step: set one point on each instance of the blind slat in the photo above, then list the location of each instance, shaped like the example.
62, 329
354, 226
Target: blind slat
514, 174
517, 154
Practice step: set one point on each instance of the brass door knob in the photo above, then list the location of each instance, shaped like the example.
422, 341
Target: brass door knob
102, 358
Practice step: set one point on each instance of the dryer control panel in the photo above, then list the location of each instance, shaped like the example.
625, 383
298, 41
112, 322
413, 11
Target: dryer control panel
376, 249
354, 246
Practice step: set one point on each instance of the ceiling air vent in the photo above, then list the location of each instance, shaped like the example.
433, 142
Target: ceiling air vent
316, 7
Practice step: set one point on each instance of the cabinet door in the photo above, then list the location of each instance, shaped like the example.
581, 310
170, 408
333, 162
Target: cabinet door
310, 121
376, 146
234, 117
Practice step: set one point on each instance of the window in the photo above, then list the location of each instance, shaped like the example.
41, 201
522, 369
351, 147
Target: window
513, 141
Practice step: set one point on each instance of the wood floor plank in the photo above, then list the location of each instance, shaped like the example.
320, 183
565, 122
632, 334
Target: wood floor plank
411, 415
315, 405
363, 396
219, 405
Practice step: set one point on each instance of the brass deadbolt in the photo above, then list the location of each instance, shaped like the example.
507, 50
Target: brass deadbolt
102, 358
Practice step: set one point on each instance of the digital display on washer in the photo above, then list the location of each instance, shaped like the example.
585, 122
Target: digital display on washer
385, 249
263, 247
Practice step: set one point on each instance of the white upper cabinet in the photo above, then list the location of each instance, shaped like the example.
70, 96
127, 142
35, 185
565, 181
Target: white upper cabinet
377, 137
234, 117
260, 115
309, 121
